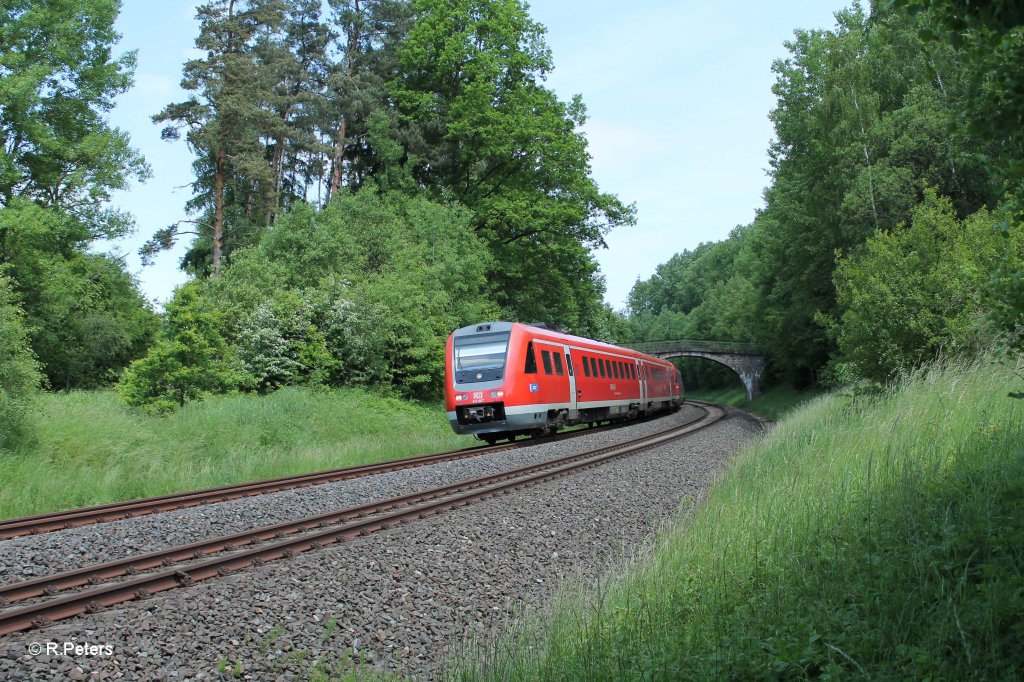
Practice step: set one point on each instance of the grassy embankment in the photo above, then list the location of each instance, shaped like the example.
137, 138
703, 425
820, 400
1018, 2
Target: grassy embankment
876, 538
773, 404
90, 449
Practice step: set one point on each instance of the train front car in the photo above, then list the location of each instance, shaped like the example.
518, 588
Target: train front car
478, 377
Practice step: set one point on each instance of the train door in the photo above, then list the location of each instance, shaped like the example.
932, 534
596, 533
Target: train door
573, 409
641, 371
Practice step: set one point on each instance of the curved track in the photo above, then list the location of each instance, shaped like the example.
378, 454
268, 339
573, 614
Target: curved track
245, 549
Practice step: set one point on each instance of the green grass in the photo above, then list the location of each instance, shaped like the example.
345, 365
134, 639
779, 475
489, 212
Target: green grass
90, 449
877, 538
773, 404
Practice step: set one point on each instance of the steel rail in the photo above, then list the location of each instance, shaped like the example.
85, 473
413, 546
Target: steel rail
51, 584
455, 495
59, 520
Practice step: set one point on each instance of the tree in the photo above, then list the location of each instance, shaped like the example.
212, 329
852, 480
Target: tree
861, 126
59, 162
224, 120
480, 127
369, 32
296, 59
57, 79
989, 38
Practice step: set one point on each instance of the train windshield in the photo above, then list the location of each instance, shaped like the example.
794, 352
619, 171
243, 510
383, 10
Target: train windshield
481, 352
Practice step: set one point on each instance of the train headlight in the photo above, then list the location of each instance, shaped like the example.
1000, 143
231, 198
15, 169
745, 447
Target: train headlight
459, 397
497, 394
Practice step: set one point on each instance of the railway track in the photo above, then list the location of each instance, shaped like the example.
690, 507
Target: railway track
117, 581
53, 521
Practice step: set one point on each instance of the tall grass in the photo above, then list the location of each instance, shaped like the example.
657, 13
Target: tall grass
90, 449
873, 538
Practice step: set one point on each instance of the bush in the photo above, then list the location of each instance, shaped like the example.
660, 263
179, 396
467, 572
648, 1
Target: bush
917, 292
191, 361
363, 292
19, 372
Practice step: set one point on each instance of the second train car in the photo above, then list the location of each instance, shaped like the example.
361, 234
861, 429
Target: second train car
505, 379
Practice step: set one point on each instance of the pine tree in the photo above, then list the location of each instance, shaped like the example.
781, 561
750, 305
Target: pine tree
225, 121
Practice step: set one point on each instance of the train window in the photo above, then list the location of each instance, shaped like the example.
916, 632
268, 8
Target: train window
601, 366
593, 367
481, 352
546, 358
531, 360
632, 372
568, 363
558, 363
615, 369
586, 367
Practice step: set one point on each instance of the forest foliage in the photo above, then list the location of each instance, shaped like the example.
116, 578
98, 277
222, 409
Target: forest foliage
370, 174
59, 162
892, 226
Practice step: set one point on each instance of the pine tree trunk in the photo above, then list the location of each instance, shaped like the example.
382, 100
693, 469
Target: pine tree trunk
218, 210
275, 199
339, 157
339, 143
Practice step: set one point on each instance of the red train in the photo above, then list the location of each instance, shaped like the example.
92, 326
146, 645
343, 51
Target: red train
503, 379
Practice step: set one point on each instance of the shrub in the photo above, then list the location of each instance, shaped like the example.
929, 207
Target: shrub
917, 292
19, 371
191, 361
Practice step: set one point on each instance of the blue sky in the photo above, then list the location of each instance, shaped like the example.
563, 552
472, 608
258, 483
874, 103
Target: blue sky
677, 93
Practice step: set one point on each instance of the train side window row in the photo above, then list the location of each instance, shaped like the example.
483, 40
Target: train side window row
592, 367
611, 369
657, 374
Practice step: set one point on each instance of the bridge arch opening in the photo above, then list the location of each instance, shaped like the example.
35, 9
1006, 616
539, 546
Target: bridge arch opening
707, 375
747, 371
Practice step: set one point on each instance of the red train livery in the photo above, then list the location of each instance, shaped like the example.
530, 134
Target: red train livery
503, 379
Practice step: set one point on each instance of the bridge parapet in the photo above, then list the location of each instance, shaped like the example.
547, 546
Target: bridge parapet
746, 359
654, 347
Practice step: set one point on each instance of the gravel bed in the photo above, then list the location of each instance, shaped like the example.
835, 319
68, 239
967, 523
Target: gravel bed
399, 599
27, 557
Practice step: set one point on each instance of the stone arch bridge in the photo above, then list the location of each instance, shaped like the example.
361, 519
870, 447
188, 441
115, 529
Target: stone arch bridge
743, 358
